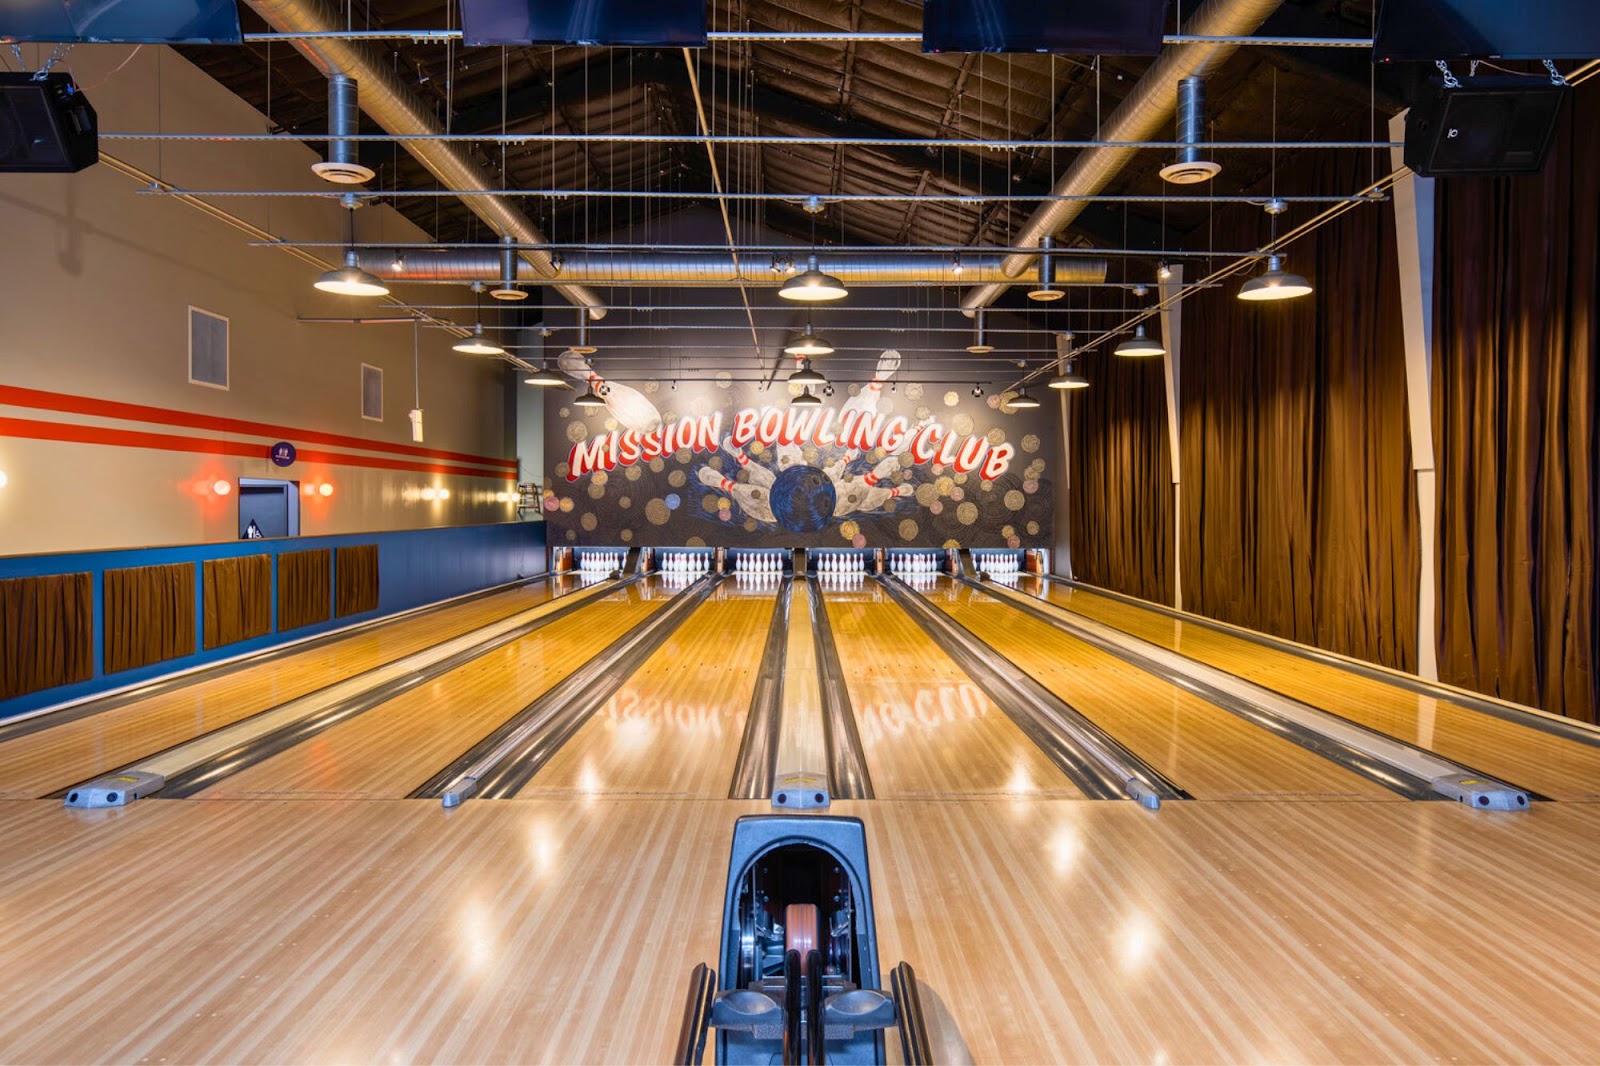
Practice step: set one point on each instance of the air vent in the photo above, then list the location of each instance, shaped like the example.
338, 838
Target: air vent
371, 393
208, 349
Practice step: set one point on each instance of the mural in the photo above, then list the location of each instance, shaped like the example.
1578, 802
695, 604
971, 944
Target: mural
726, 462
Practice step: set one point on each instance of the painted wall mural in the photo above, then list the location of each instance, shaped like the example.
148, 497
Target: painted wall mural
879, 463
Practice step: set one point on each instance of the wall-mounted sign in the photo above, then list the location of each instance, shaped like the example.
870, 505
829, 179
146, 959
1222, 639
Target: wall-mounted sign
281, 453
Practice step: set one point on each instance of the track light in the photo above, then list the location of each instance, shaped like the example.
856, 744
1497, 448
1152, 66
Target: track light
1275, 284
477, 344
588, 399
813, 286
1163, 271
1023, 401
977, 391
808, 344
806, 399
807, 376
545, 377
1139, 345
351, 280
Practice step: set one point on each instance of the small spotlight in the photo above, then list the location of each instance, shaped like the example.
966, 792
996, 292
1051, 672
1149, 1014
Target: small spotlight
430, 494
221, 488
444, 494
977, 392
309, 489
1163, 271
325, 489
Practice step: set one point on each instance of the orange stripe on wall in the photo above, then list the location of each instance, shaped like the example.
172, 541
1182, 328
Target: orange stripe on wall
87, 405
170, 442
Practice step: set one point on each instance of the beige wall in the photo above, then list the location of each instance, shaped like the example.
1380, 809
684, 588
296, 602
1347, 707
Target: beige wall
95, 287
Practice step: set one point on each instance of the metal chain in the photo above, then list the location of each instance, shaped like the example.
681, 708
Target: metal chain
1450, 80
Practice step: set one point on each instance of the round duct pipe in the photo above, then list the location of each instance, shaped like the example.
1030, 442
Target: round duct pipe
341, 167
1191, 166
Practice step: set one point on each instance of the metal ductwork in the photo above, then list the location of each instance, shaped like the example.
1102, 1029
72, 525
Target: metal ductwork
342, 167
1191, 166
1140, 116
710, 269
392, 104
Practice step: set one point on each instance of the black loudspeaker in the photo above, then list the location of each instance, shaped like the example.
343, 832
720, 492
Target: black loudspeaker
1500, 124
46, 125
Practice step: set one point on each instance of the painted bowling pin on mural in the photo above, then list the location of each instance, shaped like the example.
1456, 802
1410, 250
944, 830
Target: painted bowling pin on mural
754, 500
630, 407
759, 474
867, 493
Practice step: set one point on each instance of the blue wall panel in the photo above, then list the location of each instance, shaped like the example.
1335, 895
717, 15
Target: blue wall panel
415, 567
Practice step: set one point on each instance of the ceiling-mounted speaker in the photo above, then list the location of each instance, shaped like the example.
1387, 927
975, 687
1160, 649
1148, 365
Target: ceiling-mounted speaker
46, 125
1486, 126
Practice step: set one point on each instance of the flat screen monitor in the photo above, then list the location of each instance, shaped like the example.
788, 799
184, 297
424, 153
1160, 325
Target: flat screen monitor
643, 23
1070, 27
121, 21
1509, 29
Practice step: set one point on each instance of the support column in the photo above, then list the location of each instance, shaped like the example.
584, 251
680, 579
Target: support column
1171, 363
1414, 235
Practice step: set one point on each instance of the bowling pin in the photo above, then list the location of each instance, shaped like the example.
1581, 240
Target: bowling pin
627, 405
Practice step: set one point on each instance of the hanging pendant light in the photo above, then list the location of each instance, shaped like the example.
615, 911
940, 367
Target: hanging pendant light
1067, 378
589, 399
477, 344
351, 280
1022, 401
1275, 284
808, 344
1140, 345
544, 376
806, 399
813, 286
806, 376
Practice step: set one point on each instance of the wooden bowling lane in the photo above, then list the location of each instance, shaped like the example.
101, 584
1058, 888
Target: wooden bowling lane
926, 728
393, 748
39, 763
1246, 932
675, 728
546, 930
1207, 751
1556, 767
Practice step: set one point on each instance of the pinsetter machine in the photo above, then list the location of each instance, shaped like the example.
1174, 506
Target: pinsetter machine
800, 979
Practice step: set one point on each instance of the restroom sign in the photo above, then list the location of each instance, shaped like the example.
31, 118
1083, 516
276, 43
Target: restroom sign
281, 453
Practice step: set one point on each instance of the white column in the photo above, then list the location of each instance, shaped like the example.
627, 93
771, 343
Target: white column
1414, 231
1172, 341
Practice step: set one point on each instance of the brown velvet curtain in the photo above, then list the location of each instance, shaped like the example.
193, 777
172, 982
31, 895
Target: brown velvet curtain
148, 614
237, 599
1298, 515
1121, 512
305, 588
1514, 424
356, 574
46, 632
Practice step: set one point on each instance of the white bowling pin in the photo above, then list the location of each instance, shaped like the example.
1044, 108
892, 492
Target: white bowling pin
866, 401
627, 405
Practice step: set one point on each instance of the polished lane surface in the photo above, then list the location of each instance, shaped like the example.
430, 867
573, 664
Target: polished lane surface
927, 730
1207, 751
67, 754
674, 729
395, 747
1553, 766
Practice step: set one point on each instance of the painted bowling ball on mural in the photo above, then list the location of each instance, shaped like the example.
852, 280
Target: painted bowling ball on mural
803, 499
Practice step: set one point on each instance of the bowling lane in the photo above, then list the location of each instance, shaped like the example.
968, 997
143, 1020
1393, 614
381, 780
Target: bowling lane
1561, 769
38, 763
1210, 753
395, 747
674, 729
927, 730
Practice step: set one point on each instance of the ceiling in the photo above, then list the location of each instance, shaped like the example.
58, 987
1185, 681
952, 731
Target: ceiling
799, 89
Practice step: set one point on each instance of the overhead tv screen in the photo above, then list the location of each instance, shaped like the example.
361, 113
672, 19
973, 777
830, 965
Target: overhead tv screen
645, 23
121, 21
1070, 27
1508, 29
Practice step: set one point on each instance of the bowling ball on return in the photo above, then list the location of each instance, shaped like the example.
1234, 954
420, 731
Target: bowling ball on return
803, 499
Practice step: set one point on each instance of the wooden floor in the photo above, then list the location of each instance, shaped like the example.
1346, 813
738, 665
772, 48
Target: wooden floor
553, 930
1526, 757
298, 913
927, 730
69, 754
1205, 750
